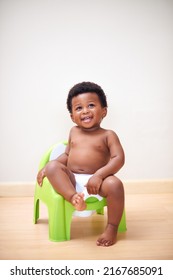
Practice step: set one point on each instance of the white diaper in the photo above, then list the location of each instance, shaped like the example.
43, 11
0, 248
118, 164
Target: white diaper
81, 181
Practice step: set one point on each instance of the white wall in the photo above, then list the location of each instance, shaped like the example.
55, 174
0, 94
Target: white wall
46, 46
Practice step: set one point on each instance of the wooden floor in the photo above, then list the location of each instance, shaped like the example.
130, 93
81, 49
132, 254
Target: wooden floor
149, 235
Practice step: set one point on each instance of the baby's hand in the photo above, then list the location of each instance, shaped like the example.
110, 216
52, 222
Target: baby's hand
94, 184
40, 176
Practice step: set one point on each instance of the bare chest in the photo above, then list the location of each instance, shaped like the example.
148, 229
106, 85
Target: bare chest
87, 143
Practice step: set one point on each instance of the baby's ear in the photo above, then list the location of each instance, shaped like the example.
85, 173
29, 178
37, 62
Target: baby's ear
71, 115
104, 112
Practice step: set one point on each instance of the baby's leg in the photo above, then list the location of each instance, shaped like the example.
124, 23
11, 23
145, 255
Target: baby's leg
112, 189
63, 181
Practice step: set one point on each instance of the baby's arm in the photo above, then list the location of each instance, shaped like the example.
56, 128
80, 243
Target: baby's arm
117, 157
63, 158
40, 176
42, 173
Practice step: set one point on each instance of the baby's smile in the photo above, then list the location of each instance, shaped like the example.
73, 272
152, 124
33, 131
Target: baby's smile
87, 119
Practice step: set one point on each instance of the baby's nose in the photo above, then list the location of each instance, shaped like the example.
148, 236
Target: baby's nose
85, 110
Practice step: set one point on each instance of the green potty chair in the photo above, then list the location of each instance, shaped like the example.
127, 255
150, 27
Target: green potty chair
60, 211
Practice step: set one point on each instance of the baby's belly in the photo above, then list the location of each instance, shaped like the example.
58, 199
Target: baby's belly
81, 166
86, 164
81, 169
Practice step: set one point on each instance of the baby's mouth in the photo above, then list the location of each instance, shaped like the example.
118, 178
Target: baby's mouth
87, 119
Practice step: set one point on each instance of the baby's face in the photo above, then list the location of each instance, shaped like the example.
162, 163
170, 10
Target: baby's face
87, 111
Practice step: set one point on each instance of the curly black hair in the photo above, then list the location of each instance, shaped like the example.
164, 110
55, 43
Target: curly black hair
85, 87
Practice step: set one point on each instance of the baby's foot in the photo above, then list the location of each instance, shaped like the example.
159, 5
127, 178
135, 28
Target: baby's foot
108, 237
78, 201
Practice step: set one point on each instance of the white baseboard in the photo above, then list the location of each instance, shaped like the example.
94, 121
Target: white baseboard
20, 189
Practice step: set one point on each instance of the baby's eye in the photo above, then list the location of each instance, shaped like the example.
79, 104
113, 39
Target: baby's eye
91, 105
78, 108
